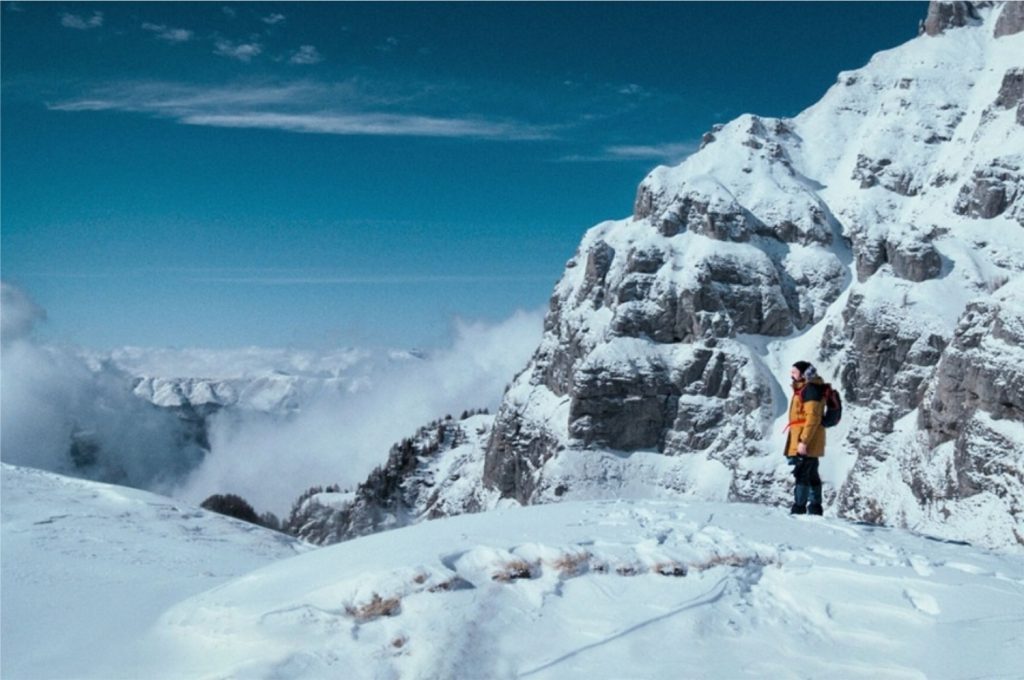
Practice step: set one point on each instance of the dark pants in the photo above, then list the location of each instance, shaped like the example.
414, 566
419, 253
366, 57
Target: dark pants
808, 484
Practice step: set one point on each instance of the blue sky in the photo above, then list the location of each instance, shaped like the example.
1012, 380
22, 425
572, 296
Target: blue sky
334, 174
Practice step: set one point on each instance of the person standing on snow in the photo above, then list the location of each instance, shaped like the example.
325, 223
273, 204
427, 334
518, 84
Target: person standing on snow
805, 443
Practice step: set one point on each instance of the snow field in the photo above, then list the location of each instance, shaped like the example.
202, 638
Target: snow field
87, 566
610, 589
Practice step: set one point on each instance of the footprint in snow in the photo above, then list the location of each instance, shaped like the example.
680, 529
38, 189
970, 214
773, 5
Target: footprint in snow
923, 602
921, 565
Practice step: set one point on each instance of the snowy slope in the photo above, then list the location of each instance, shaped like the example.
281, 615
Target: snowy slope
609, 589
86, 566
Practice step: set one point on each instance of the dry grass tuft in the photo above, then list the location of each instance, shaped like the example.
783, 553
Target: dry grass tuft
513, 571
730, 561
672, 568
454, 583
573, 564
375, 608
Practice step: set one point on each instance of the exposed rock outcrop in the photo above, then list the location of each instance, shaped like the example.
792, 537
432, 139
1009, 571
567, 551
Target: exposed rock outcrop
1011, 19
965, 467
1011, 92
993, 190
910, 252
883, 173
884, 359
518, 449
982, 370
945, 15
406, 489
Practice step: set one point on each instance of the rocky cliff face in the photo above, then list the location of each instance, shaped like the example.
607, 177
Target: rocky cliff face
879, 234
1011, 19
434, 473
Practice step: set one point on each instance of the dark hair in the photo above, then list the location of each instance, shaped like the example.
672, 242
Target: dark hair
802, 366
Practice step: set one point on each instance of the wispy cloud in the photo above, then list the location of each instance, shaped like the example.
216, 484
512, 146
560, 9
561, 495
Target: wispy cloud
306, 54
304, 107
668, 153
229, 11
244, 52
672, 150
76, 21
171, 35
273, 19
379, 124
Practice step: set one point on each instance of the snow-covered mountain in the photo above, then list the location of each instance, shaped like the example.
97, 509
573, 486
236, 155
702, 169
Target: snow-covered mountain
878, 234
266, 380
112, 583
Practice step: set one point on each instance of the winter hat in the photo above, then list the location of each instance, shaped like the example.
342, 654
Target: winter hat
803, 367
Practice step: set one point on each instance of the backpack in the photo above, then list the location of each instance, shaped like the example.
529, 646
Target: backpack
833, 407
833, 403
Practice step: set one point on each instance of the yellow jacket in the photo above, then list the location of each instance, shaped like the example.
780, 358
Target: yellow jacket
805, 417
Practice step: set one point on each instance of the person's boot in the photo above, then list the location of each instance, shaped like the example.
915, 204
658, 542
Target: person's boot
814, 497
800, 495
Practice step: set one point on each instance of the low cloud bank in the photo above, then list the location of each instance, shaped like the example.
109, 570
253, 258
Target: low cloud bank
340, 438
62, 414
73, 412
